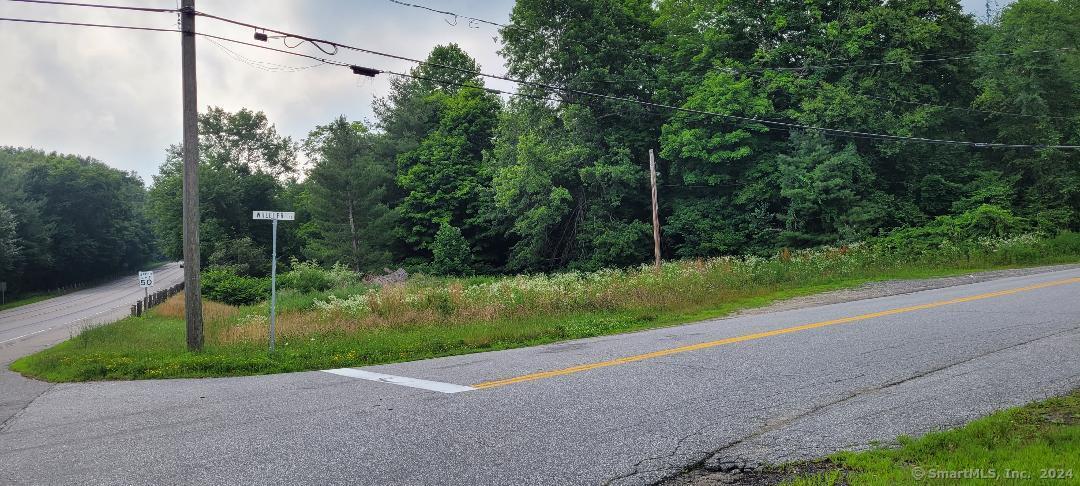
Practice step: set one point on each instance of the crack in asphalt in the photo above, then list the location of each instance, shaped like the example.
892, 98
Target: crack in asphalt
10, 420
741, 464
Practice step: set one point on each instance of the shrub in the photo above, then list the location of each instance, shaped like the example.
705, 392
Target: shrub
949, 236
309, 277
306, 277
222, 284
452, 255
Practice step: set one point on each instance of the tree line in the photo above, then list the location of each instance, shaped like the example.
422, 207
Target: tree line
457, 178
66, 219
454, 178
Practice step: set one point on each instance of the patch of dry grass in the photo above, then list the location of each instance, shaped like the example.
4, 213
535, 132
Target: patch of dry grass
212, 311
676, 287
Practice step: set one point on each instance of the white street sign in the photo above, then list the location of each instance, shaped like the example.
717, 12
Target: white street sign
275, 215
146, 279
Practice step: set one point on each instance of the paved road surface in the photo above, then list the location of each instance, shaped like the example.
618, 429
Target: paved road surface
626, 409
29, 328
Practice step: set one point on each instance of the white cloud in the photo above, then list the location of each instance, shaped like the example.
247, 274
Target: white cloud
115, 94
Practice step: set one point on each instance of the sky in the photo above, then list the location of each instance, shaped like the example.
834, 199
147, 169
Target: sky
115, 94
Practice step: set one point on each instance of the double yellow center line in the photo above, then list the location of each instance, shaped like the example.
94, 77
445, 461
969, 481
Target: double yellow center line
760, 335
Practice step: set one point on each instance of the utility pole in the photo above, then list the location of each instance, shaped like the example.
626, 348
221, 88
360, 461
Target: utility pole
655, 210
192, 294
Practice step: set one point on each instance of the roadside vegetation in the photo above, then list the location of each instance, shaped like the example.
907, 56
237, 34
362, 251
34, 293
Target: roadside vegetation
526, 220
26, 300
330, 318
1037, 444
67, 220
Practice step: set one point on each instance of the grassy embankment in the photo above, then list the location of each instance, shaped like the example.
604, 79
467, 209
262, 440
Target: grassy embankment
1035, 444
356, 325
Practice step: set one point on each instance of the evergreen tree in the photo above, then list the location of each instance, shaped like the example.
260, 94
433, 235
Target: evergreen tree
347, 185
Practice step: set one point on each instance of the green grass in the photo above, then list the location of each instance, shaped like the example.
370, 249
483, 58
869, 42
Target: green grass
1035, 444
434, 316
154, 347
30, 299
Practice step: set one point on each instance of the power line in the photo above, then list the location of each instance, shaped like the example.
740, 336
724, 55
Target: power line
81, 24
957, 108
263, 65
929, 59
372, 72
946, 107
452, 14
966, 55
789, 125
98, 5
973, 55
316, 42
742, 120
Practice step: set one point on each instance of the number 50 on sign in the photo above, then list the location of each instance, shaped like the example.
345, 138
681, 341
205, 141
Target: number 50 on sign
146, 279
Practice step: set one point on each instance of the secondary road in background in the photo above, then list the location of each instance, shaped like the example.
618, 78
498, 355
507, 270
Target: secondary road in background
29, 328
625, 409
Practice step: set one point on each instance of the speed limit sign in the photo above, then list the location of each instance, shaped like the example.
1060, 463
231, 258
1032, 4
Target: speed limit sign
146, 279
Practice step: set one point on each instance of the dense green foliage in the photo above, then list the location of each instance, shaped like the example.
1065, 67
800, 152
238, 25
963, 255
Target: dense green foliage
352, 324
240, 156
66, 219
222, 284
453, 179
346, 188
450, 252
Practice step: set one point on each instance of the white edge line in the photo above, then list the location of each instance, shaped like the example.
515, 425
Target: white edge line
401, 380
26, 335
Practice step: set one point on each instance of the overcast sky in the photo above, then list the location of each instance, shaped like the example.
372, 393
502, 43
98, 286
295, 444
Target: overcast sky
115, 95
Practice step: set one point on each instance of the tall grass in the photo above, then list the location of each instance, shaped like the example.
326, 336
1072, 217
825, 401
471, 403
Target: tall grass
679, 286
357, 324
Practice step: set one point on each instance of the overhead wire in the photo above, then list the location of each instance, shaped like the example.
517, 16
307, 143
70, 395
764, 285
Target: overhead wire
742, 121
84, 24
263, 65
936, 58
923, 59
958, 108
452, 14
99, 5
372, 72
785, 124
973, 55
319, 45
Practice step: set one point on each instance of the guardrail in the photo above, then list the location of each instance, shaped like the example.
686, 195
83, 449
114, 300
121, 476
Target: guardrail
154, 299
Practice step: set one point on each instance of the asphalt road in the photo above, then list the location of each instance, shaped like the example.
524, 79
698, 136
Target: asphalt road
29, 328
626, 409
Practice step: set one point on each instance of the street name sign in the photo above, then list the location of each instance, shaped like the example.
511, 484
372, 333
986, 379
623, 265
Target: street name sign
146, 279
274, 215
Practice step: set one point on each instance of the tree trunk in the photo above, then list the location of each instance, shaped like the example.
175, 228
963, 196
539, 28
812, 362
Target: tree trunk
352, 237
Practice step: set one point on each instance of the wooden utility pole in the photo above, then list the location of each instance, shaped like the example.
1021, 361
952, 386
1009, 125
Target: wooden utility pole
655, 210
192, 295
